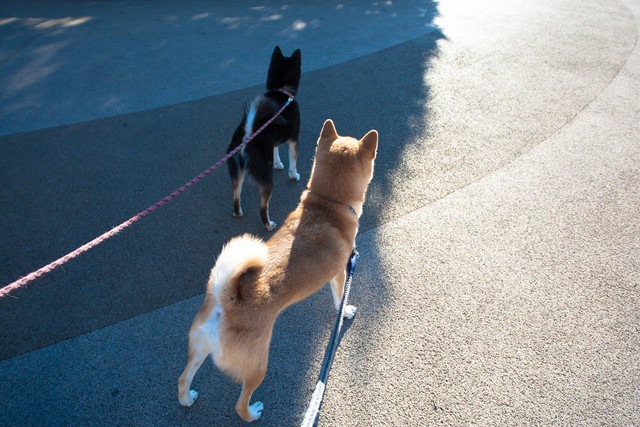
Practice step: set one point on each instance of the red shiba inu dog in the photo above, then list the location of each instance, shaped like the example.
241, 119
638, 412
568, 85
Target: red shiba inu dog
253, 281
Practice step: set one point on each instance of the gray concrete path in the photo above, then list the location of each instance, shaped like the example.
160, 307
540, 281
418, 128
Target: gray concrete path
157, 55
498, 282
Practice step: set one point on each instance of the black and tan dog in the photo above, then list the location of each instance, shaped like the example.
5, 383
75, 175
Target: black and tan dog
261, 155
253, 281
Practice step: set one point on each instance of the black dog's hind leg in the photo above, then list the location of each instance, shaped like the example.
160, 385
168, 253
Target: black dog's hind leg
261, 169
265, 196
237, 170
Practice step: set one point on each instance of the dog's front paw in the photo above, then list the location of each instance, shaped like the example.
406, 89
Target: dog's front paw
255, 410
349, 311
294, 176
271, 226
278, 165
238, 213
189, 399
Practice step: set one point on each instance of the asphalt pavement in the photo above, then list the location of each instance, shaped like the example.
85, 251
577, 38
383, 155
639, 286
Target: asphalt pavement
499, 278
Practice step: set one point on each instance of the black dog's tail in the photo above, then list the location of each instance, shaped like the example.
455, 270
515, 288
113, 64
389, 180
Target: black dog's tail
264, 108
256, 113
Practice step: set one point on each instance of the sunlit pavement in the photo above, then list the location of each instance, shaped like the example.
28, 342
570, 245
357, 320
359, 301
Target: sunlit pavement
498, 281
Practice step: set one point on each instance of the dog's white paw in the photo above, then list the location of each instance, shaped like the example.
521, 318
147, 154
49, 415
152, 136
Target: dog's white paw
255, 410
278, 165
190, 399
294, 176
271, 226
239, 214
349, 311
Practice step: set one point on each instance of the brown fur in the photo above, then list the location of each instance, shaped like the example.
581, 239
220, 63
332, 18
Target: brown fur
310, 250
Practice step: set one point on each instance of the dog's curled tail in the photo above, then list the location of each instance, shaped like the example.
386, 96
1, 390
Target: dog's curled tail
238, 256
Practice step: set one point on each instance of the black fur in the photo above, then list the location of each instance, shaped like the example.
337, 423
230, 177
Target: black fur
258, 156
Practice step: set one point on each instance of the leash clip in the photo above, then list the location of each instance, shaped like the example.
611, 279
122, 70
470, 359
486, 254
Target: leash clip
353, 260
286, 92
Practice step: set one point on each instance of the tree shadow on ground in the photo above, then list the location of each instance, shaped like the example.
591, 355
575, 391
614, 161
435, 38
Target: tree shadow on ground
103, 169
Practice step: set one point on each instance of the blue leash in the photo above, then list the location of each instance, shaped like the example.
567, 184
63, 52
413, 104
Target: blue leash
313, 410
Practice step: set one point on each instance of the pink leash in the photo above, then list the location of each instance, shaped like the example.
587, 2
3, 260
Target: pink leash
95, 242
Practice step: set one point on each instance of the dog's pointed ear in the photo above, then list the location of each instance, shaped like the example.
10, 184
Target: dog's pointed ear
328, 131
276, 52
297, 56
369, 144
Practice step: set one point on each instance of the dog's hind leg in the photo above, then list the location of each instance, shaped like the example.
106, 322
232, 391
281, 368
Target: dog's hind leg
337, 290
237, 166
237, 192
249, 384
186, 396
237, 171
265, 195
260, 167
293, 160
202, 342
